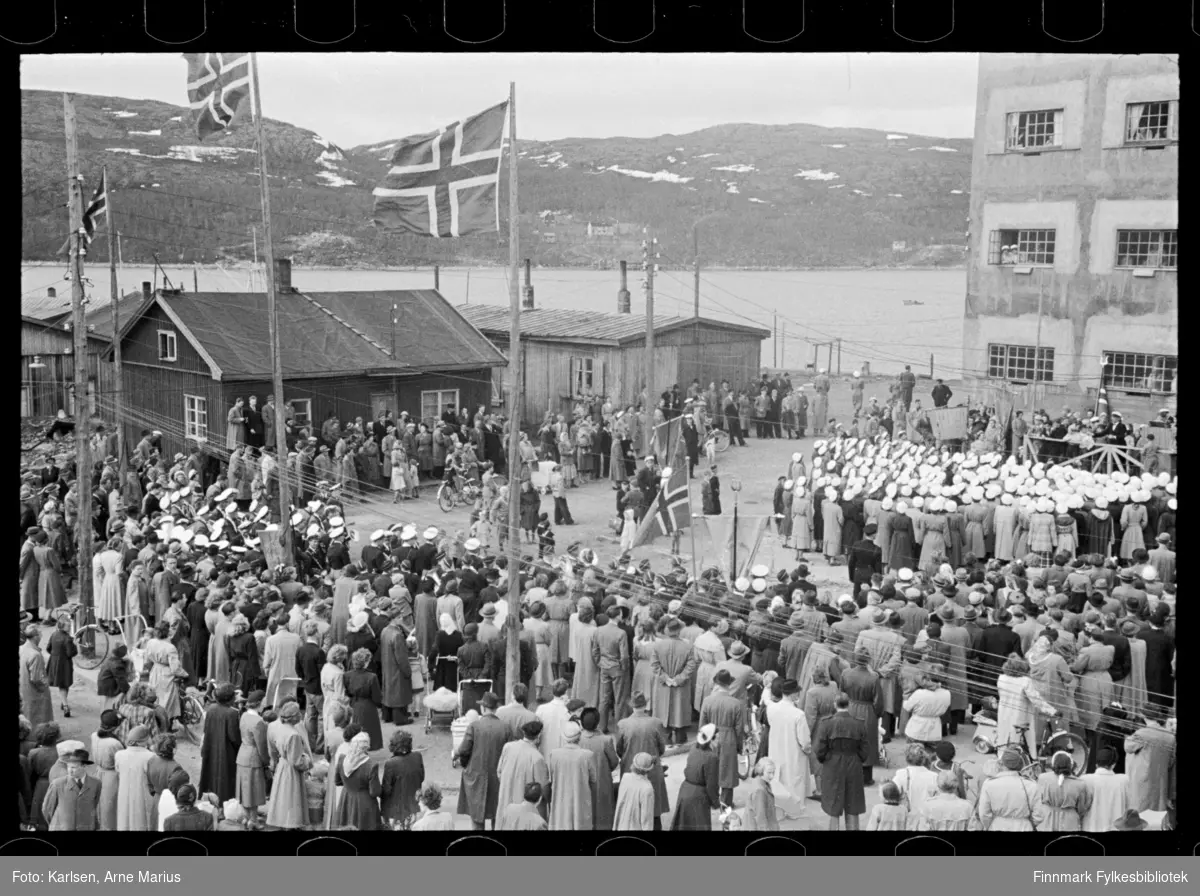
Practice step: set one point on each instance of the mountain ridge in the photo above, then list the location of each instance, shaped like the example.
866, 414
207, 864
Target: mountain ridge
761, 196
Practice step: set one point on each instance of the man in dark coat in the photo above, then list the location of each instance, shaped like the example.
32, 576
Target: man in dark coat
729, 714
1122, 660
941, 394
648, 481
691, 443
496, 662
396, 671
996, 642
219, 748
1160, 649
373, 555
908, 382
310, 660
472, 656
479, 758
841, 748
425, 618
864, 559
643, 733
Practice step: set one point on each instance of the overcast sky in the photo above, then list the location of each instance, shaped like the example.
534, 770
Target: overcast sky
355, 98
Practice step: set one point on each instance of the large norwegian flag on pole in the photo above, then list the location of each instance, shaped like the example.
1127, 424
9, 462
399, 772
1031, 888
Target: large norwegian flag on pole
671, 512
217, 84
447, 183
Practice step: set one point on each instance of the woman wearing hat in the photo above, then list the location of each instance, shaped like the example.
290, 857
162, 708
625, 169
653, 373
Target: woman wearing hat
135, 803
287, 744
1134, 520
105, 747
699, 794
60, 670
1019, 702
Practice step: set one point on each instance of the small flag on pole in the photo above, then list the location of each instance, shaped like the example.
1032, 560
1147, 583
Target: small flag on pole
97, 207
446, 183
1102, 406
672, 510
217, 84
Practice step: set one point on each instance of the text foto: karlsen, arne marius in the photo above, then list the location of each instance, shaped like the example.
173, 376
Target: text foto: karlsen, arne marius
1111, 877
109, 877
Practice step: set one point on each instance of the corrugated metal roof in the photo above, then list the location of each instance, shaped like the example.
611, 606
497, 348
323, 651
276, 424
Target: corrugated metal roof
47, 307
332, 333
590, 326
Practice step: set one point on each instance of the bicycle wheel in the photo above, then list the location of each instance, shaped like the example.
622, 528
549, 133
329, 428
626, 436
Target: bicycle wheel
445, 499
191, 713
1073, 745
1032, 771
92, 642
720, 439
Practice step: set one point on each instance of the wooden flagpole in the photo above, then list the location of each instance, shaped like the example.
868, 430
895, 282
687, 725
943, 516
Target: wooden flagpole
512, 666
118, 387
285, 508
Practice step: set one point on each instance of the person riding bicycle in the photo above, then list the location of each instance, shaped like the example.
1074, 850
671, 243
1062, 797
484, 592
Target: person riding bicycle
454, 471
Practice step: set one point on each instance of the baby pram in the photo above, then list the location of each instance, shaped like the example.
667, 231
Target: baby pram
444, 714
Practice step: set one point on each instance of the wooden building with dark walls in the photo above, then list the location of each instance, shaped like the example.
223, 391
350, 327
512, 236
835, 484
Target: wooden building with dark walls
568, 353
188, 356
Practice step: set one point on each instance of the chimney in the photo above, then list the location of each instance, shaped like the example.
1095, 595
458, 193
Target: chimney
51, 293
147, 290
527, 305
623, 292
283, 275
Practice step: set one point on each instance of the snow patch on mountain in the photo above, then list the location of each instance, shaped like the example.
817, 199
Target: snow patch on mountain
760, 201
177, 118
834, 145
897, 137
672, 159
816, 174
956, 192
200, 153
707, 155
737, 169
333, 179
659, 176
154, 133
837, 186
896, 195
119, 114
732, 188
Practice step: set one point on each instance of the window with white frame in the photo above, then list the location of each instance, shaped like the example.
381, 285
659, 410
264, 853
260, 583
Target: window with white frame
1148, 249
434, 402
195, 417
583, 376
1034, 130
1016, 363
301, 412
1149, 123
166, 345
1138, 372
1033, 247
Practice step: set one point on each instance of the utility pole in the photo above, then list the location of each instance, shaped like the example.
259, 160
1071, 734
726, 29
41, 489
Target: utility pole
281, 466
437, 278
649, 258
839, 367
118, 387
83, 459
696, 264
775, 336
512, 660
783, 342
195, 276
1037, 349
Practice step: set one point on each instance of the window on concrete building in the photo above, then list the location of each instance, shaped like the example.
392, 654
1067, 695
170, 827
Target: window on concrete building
1016, 363
1034, 130
1137, 372
1151, 122
1148, 249
195, 417
166, 345
1021, 247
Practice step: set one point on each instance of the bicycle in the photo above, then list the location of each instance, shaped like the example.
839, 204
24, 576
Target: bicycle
94, 639
719, 439
1055, 738
193, 707
450, 495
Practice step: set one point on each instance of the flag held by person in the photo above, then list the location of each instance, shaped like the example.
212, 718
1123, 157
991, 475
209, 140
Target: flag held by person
1103, 409
446, 183
217, 84
96, 208
671, 511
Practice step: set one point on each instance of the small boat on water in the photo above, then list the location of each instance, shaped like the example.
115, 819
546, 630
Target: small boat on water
912, 302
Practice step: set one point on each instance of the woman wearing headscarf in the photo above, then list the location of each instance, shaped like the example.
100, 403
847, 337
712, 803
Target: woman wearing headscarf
1065, 799
365, 695
253, 758
160, 770
444, 657
403, 776
360, 636
287, 806
635, 797
1019, 701
140, 708
1053, 677
902, 552
242, 650
357, 774
104, 750
135, 803
333, 687
699, 794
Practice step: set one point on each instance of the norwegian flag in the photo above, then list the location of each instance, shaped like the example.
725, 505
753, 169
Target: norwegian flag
217, 84
1102, 407
671, 512
447, 183
97, 207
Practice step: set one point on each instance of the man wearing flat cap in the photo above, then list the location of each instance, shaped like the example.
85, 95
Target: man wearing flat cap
739, 668
643, 733
672, 664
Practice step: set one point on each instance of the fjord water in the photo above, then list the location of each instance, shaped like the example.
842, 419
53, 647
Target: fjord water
864, 308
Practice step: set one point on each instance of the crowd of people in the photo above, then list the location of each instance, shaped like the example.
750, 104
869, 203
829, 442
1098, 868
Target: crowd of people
981, 589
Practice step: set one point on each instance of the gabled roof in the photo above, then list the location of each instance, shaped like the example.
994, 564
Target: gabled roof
98, 314
326, 334
561, 324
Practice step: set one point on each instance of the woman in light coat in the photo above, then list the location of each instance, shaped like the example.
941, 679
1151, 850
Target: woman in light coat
333, 688
1094, 688
235, 433
709, 651
291, 759
832, 519
1133, 527
1019, 702
135, 804
1053, 677
932, 531
165, 669
802, 518
109, 594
